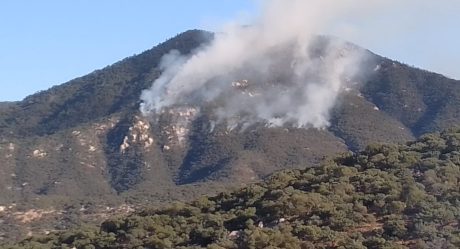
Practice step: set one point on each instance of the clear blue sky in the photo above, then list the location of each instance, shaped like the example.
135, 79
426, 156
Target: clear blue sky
45, 43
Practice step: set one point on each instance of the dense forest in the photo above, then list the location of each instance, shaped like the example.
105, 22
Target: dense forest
386, 196
63, 146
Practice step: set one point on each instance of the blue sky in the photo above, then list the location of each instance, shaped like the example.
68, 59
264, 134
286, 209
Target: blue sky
45, 43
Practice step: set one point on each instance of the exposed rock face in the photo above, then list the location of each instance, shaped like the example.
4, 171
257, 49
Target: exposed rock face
39, 153
139, 133
180, 120
87, 140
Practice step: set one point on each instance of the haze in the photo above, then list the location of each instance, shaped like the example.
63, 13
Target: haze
50, 42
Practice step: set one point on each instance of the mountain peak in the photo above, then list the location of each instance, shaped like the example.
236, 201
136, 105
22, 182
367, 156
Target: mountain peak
87, 141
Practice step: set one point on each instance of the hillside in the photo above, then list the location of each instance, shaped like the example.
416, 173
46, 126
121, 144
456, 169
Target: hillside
85, 142
386, 196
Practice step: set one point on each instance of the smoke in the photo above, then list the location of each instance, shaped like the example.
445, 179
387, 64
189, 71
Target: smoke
277, 71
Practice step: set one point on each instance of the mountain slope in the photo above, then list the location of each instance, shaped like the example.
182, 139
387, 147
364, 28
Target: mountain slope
387, 196
99, 94
85, 140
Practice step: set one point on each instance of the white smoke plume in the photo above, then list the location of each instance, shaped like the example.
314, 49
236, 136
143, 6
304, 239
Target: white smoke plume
277, 71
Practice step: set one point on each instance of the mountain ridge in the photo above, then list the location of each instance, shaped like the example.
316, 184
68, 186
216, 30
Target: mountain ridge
86, 141
127, 75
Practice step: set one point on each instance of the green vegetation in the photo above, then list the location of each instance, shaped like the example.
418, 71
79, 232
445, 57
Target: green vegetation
115, 88
409, 102
60, 148
387, 196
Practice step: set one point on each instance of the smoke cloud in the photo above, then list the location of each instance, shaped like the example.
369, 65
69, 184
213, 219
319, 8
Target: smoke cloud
277, 71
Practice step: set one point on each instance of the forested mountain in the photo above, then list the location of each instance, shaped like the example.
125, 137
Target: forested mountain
85, 142
386, 196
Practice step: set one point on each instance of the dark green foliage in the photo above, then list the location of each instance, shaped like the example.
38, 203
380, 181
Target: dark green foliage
101, 93
421, 100
386, 196
124, 168
410, 102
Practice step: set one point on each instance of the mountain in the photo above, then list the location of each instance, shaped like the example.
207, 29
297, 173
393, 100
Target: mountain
386, 196
85, 143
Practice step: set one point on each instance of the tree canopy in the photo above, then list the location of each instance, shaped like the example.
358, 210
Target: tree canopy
386, 196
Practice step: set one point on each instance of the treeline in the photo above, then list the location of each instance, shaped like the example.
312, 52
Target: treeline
387, 196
